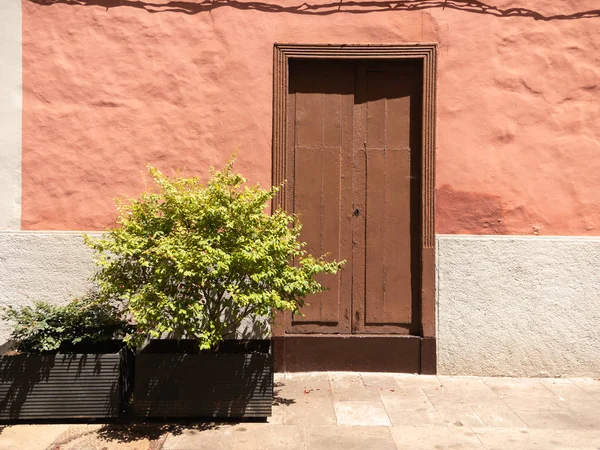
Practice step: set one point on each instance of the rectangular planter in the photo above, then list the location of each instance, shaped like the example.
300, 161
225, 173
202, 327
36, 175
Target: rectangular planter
173, 379
65, 385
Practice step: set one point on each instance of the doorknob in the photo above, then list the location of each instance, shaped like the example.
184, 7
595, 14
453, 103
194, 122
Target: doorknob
356, 212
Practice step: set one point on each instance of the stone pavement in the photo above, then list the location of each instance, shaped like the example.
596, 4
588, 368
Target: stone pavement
367, 411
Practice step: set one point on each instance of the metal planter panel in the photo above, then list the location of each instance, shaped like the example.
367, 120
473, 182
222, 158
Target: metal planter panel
203, 385
63, 386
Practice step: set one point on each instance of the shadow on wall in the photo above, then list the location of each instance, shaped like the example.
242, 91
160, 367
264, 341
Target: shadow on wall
352, 6
468, 212
464, 212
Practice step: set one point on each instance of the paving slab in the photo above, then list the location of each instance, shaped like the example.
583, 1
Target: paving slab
383, 381
414, 380
361, 413
75, 432
29, 437
527, 397
292, 385
438, 438
468, 388
457, 406
95, 442
214, 439
581, 440
551, 404
556, 420
411, 408
350, 438
522, 390
272, 437
309, 410
536, 439
303, 399
469, 401
590, 385
566, 391
350, 386
580, 404
135, 436
277, 414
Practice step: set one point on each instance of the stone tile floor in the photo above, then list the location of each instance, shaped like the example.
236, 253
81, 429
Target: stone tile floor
367, 411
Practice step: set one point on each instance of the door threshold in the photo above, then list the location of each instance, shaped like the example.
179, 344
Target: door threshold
354, 353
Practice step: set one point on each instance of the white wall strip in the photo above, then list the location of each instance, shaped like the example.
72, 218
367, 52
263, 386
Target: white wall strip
49, 266
11, 104
518, 306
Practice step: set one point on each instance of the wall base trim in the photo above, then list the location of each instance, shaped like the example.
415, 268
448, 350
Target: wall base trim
361, 353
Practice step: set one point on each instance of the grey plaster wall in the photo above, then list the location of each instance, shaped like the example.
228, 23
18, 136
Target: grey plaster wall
10, 114
518, 306
507, 306
53, 266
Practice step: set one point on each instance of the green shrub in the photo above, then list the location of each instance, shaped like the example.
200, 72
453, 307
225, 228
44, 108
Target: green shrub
194, 260
43, 327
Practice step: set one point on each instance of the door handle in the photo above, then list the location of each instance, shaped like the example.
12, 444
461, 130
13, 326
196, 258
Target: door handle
356, 212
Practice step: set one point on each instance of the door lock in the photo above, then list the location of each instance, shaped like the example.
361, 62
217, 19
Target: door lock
356, 212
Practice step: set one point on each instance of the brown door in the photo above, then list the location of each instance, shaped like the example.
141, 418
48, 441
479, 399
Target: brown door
353, 176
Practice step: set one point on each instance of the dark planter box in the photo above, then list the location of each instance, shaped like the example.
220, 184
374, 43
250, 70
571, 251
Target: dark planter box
66, 385
173, 379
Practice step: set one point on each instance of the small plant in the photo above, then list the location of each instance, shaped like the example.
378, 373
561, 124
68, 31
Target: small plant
44, 328
194, 260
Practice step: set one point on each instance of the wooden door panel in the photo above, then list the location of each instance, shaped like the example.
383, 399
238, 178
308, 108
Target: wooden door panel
385, 95
331, 166
317, 201
388, 297
321, 113
307, 203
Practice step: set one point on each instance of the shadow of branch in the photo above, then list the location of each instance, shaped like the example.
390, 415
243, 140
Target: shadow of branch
278, 399
327, 8
131, 432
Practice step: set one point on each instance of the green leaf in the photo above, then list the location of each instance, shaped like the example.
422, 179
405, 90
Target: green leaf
43, 327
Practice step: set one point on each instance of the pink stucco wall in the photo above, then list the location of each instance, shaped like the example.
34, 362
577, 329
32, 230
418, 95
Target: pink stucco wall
107, 90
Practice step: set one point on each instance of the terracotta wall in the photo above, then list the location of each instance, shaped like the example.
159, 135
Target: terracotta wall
110, 86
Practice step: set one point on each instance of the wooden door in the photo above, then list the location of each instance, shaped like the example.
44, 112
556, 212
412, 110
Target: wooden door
353, 176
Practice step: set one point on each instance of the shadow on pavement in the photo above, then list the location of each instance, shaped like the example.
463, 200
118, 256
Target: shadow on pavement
277, 399
152, 430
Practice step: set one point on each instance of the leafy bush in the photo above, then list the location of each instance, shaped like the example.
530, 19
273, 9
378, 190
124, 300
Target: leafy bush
194, 260
43, 327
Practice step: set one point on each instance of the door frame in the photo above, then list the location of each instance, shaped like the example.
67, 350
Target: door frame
428, 54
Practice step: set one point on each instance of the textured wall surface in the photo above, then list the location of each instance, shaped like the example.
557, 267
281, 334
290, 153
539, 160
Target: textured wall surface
10, 115
518, 306
110, 86
42, 266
